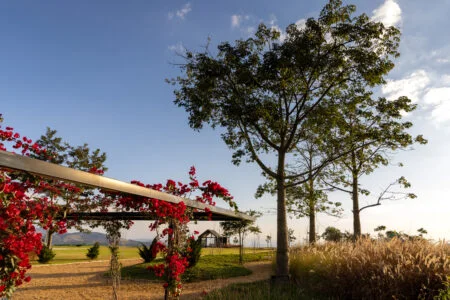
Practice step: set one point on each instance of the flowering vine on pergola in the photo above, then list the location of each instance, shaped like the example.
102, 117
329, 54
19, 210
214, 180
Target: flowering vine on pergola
53, 171
120, 202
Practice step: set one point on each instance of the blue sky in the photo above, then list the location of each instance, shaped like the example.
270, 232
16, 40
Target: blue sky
95, 70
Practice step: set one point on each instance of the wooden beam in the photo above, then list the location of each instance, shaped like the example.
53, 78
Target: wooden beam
141, 216
49, 170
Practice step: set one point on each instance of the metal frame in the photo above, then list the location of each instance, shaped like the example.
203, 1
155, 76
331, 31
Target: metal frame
49, 170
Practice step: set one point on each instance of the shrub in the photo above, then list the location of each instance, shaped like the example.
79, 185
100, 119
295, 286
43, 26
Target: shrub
373, 269
147, 253
45, 255
94, 251
444, 294
193, 251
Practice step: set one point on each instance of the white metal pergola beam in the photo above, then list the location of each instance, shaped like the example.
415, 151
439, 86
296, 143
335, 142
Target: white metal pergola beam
49, 170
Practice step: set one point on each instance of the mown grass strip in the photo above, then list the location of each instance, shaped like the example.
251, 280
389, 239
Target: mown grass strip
209, 267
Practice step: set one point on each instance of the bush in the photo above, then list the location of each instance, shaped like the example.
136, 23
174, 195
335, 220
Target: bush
94, 251
193, 256
444, 294
147, 253
46, 255
368, 269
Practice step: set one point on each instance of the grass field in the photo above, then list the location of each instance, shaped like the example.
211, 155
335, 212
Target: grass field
209, 267
69, 254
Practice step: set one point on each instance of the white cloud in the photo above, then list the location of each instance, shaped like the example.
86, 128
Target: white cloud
181, 13
301, 23
439, 100
389, 13
236, 20
437, 95
250, 30
429, 90
273, 20
177, 48
411, 86
443, 60
445, 80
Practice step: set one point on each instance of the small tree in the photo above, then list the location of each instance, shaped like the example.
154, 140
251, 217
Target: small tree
193, 251
241, 228
148, 254
380, 230
45, 255
256, 231
422, 232
291, 236
94, 251
332, 234
269, 241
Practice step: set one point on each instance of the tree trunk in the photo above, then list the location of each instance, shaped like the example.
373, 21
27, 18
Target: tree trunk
241, 248
49, 238
355, 198
282, 259
312, 212
312, 225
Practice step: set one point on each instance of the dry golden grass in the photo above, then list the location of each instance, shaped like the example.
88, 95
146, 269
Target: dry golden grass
373, 269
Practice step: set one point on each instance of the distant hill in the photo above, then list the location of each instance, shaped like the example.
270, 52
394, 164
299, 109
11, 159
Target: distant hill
88, 238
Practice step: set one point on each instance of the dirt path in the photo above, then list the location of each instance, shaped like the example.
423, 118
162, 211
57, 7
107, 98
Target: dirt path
86, 281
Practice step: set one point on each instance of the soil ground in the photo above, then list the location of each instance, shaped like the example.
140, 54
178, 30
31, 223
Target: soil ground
87, 281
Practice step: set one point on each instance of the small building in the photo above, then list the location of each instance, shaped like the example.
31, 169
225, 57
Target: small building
211, 238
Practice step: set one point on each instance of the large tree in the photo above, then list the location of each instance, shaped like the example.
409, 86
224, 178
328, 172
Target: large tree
310, 198
80, 197
262, 89
375, 129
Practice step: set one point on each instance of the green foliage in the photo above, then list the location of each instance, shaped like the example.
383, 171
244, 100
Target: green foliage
291, 236
373, 129
391, 234
193, 256
444, 294
93, 251
382, 269
380, 228
147, 253
263, 91
45, 255
332, 234
77, 157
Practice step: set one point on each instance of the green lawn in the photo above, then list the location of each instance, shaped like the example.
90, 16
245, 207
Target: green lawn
209, 267
68, 254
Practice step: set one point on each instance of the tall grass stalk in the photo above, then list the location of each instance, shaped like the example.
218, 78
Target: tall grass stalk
373, 269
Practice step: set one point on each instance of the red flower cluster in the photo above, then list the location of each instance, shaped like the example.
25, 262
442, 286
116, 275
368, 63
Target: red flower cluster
19, 210
18, 236
157, 269
176, 265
